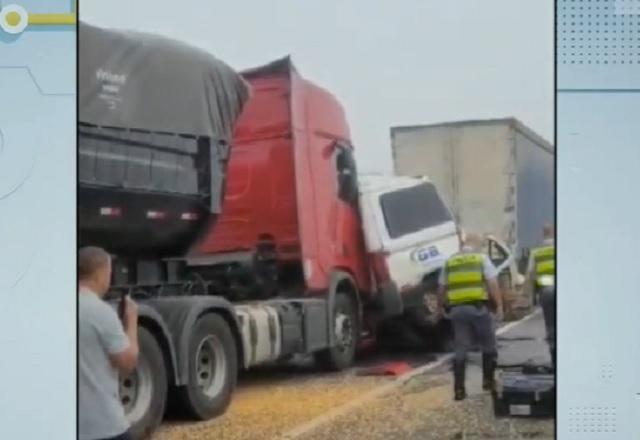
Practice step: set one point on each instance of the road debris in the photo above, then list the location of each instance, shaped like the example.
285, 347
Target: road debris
303, 404
265, 411
386, 369
423, 408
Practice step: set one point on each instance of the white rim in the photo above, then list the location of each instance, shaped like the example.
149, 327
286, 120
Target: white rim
136, 391
343, 331
211, 366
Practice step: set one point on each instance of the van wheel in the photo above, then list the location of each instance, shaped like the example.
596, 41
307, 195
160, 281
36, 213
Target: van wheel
213, 370
431, 307
143, 393
345, 327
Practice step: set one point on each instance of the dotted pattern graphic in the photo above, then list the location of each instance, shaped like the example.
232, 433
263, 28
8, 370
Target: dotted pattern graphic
598, 32
627, 7
606, 372
593, 419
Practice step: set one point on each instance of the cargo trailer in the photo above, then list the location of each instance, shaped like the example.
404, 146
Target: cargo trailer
497, 175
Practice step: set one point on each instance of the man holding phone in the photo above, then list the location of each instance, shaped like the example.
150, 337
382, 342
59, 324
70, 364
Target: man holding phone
107, 347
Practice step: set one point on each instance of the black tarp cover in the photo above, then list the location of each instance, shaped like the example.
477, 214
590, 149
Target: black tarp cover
142, 81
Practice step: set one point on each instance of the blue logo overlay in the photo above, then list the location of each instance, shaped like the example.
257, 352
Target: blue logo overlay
425, 255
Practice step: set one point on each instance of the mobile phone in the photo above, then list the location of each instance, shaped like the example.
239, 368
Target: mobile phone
122, 305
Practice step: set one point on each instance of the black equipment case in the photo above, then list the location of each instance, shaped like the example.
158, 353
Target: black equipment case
524, 391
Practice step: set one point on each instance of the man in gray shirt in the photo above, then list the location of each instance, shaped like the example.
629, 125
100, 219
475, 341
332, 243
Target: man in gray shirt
105, 350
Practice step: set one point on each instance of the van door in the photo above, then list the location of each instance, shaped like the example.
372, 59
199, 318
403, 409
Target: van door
502, 259
499, 255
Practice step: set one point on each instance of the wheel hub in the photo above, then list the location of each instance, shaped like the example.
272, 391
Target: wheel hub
211, 366
135, 391
431, 303
343, 331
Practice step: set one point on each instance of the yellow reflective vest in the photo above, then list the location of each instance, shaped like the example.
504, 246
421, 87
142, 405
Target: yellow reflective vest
544, 260
465, 279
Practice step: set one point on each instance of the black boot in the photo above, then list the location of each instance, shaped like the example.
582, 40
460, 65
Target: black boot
489, 361
459, 392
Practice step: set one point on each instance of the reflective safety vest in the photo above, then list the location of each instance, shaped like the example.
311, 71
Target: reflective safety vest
465, 279
544, 259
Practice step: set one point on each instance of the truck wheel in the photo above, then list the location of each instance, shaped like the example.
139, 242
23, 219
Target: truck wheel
144, 392
431, 306
345, 326
430, 296
213, 369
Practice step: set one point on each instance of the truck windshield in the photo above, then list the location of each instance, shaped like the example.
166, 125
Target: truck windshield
413, 209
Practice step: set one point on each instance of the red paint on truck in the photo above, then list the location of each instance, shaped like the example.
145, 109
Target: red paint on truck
282, 180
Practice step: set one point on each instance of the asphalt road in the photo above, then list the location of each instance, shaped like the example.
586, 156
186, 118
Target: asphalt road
423, 409
524, 342
273, 401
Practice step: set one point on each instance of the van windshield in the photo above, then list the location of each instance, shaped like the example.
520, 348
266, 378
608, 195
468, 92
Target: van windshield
413, 209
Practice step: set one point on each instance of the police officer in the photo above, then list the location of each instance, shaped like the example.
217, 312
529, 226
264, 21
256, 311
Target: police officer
469, 289
541, 275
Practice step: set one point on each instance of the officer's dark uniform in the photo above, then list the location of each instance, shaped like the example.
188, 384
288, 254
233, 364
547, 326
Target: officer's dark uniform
544, 266
464, 276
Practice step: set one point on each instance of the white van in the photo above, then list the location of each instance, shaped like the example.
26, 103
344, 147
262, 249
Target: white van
409, 234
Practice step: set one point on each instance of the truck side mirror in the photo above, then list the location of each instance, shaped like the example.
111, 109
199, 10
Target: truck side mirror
348, 190
347, 174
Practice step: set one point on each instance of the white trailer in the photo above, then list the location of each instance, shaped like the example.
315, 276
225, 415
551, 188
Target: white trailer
497, 176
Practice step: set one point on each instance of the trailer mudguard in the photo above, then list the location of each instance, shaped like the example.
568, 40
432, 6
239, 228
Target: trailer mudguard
149, 318
180, 315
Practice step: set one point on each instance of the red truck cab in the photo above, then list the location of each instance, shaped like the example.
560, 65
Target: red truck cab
290, 215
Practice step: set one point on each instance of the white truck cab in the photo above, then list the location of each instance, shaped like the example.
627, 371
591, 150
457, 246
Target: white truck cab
409, 234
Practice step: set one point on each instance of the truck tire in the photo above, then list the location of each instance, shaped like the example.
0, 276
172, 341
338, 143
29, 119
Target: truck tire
430, 295
345, 324
213, 370
144, 392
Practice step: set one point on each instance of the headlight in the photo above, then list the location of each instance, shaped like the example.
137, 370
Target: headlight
546, 281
